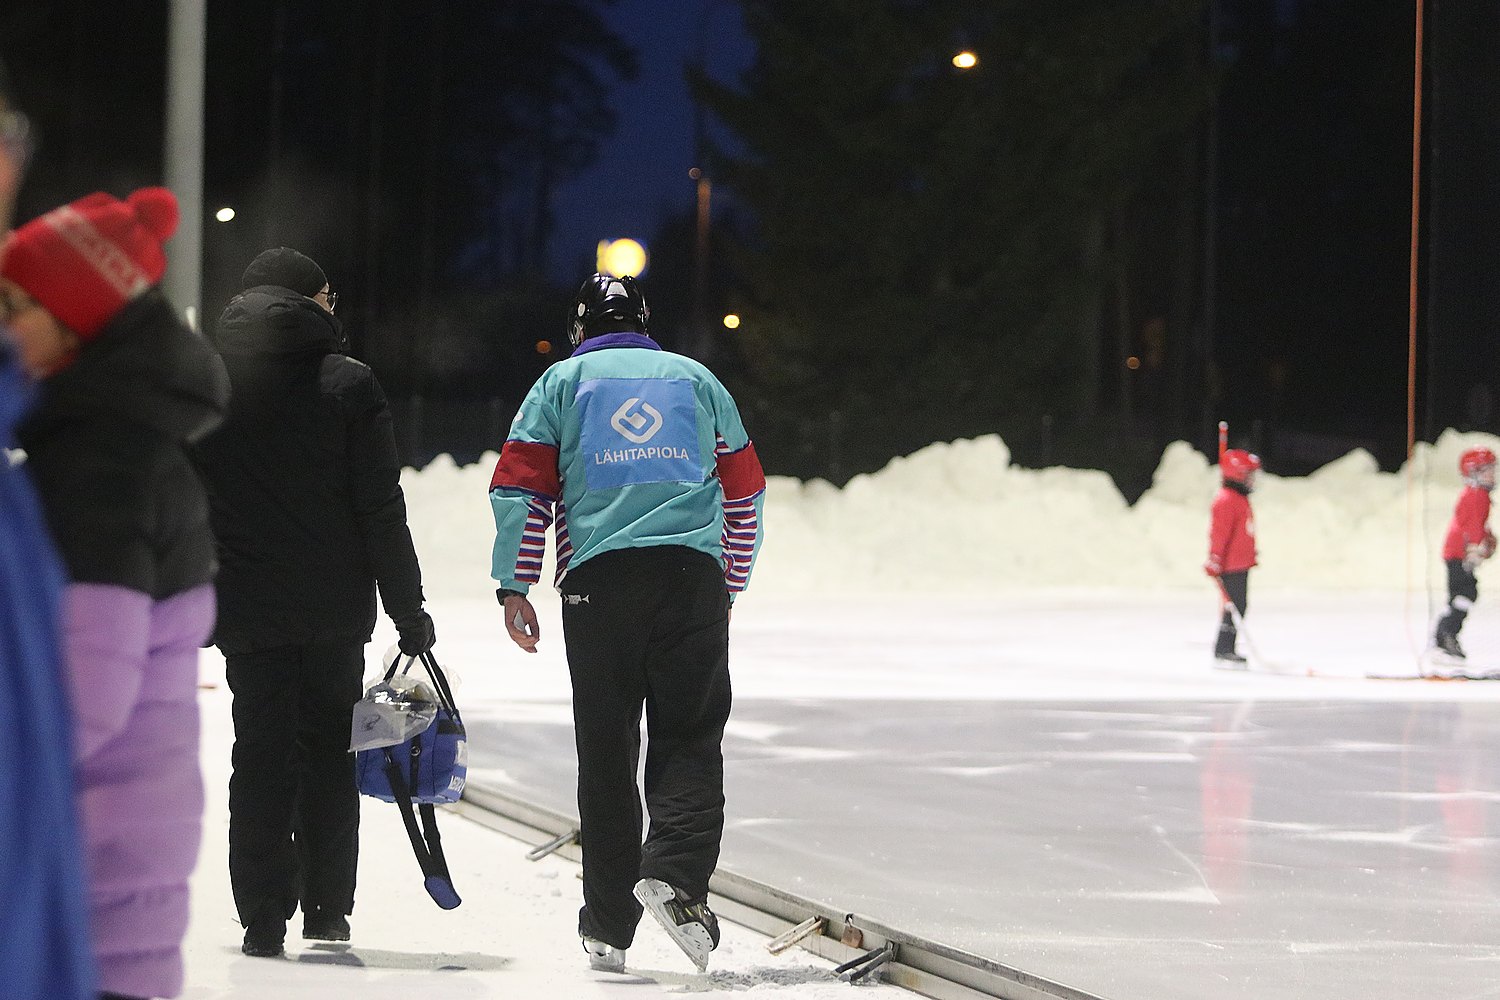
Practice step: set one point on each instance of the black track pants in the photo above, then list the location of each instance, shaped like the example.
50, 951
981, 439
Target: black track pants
647, 629
293, 804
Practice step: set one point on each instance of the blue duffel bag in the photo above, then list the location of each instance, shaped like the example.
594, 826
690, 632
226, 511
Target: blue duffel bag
425, 770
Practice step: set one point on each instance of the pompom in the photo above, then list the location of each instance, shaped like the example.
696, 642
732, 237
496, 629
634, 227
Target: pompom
156, 208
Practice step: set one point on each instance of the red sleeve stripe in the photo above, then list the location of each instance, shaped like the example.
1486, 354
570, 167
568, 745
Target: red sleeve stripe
528, 466
740, 474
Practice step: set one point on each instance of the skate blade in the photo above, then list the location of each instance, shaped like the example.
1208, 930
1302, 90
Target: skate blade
613, 961
604, 957
692, 937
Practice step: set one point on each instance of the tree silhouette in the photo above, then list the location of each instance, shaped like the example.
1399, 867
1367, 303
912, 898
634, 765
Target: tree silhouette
935, 247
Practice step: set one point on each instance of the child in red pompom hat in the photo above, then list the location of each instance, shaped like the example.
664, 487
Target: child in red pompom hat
65, 275
124, 390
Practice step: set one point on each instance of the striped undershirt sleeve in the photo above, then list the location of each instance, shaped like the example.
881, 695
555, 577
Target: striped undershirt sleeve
744, 485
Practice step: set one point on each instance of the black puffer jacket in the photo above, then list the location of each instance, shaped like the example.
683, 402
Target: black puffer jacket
105, 446
303, 482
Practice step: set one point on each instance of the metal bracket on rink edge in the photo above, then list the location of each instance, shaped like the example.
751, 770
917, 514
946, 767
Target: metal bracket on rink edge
795, 935
856, 969
862, 949
552, 846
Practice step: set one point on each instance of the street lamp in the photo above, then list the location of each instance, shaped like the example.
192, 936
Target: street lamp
618, 258
966, 60
225, 214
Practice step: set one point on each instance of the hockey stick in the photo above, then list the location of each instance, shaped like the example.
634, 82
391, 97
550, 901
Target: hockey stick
1256, 662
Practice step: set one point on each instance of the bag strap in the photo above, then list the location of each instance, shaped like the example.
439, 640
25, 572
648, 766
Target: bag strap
440, 681
426, 843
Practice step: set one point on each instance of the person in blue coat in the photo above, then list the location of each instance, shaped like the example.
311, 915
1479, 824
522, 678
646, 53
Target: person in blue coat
44, 922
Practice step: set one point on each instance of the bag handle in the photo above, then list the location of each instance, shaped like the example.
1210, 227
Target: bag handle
439, 679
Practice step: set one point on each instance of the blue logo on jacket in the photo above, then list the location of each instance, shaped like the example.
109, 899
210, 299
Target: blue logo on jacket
634, 431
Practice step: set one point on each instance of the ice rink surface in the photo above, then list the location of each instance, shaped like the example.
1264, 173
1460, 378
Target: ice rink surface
1059, 781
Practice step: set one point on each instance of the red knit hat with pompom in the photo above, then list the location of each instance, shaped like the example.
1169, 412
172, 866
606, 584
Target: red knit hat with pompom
83, 262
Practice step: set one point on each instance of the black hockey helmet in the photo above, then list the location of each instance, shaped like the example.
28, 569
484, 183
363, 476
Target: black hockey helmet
602, 296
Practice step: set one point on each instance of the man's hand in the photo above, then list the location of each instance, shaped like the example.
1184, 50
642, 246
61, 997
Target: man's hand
416, 634
1213, 568
520, 622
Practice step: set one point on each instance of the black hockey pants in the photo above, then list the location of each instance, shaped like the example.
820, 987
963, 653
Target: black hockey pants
293, 804
1463, 591
647, 629
1237, 586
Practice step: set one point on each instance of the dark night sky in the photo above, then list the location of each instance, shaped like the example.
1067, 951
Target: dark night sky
1312, 180
642, 173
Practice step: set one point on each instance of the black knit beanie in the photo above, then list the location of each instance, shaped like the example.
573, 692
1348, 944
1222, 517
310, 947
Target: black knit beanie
285, 268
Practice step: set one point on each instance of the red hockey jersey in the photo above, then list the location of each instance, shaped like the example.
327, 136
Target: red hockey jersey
1468, 525
1231, 533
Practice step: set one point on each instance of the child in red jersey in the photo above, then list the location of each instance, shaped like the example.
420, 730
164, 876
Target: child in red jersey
1468, 543
1231, 544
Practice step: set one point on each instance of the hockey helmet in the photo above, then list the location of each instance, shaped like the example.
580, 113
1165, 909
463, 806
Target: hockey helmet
1239, 466
1477, 466
602, 296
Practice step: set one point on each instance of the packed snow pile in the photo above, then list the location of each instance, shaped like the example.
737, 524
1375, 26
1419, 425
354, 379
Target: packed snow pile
960, 518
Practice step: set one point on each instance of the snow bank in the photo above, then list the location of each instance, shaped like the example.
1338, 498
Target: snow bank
960, 518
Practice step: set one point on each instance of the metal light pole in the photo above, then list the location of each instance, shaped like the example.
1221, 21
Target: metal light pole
702, 332
182, 154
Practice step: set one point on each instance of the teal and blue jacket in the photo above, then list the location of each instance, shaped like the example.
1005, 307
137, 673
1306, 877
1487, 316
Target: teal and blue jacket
624, 445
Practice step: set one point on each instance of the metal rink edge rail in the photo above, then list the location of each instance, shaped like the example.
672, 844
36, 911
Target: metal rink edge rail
859, 945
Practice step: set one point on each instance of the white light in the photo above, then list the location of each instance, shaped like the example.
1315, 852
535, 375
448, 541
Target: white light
224, 214
966, 60
732, 322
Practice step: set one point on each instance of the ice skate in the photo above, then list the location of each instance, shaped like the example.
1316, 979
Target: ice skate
1445, 660
1447, 645
1230, 661
604, 957
1225, 655
694, 928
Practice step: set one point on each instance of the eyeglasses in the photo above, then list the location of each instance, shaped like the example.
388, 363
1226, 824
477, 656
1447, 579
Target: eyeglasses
15, 136
332, 298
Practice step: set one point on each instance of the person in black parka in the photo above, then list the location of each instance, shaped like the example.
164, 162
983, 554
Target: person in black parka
306, 502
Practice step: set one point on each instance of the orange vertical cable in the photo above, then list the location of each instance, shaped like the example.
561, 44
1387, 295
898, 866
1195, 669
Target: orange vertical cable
1416, 180
1411, 318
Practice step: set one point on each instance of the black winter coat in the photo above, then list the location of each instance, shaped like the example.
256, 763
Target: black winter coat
106, 447
303, 483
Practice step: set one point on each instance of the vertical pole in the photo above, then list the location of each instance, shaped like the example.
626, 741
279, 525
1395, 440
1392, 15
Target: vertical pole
1411, 317
1211, 227
1416, 218
1223, 438
700, 269
182, 153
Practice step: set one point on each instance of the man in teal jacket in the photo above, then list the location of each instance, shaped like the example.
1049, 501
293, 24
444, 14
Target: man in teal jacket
638, 458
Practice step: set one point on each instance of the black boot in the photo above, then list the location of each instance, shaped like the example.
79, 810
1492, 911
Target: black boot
265, 935
324, 925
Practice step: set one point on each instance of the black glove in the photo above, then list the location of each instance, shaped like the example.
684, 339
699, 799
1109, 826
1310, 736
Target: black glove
416, 634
